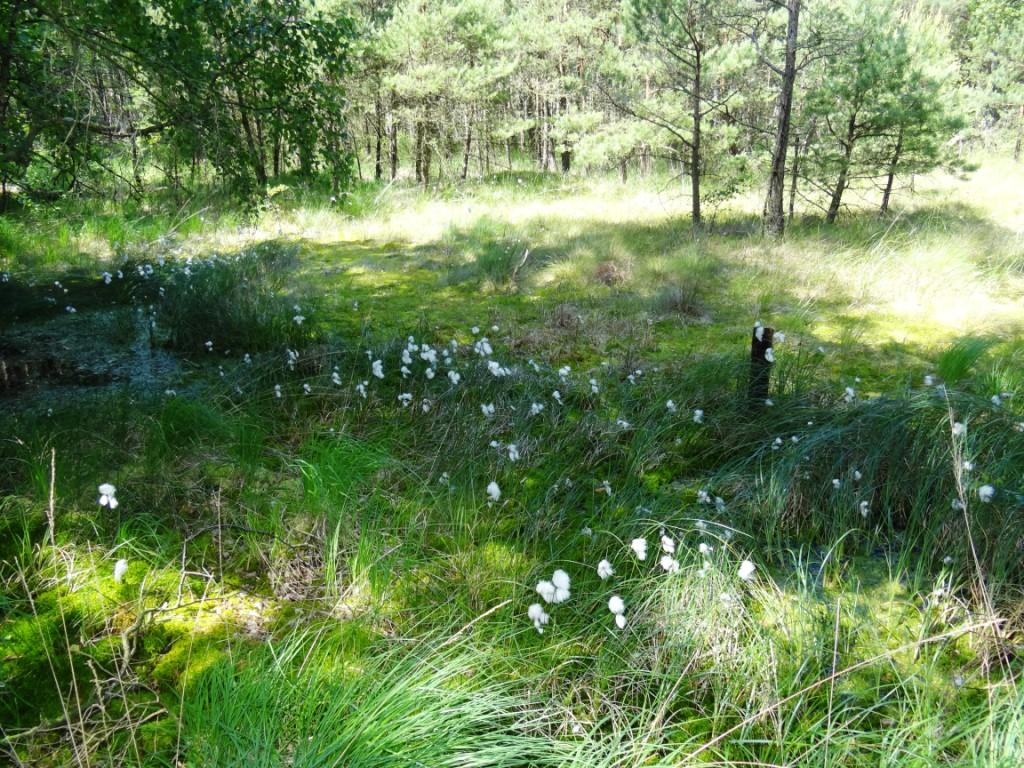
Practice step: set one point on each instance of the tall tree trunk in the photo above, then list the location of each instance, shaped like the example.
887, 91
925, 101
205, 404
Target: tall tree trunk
844, 169
892, 172
394, 147
773, 222
794, 176
1020, 133
467, 146
695, 143
426, 160
378, 162
419, 151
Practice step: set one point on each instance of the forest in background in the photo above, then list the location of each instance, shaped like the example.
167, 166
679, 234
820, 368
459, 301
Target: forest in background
799, 100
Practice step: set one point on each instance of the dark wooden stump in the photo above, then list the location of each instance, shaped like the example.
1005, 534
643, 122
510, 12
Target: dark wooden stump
760, 365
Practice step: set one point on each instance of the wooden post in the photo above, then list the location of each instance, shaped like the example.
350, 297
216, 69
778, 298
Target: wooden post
760, 364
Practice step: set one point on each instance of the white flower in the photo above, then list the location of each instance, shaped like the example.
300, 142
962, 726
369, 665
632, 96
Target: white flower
622, 423
277, 391
669, 564
299, 319
849, 395
594, 388
563, 372
769, 402
997, 400
557, 395
70, 310
107, 277
493, 491
405, 398
616, 605
107, 496
361, 389
671, 406
968, 465
560, 579
536, 408
425, 406
929, 380
406, 357
746, 571
513, 452
959, 429
454, 377
605, 570
307, 389
607, 487
865, 509
719, 503
120, 568
776, 443
667, 545
836, 483
487, 409
209, 346
769, 355
857, 475
546, 590
705, 549
639, 547
378, 369
538, 616
698, 416
429, 373
703, 497
947, 560
494, 329
986, 492
247, 359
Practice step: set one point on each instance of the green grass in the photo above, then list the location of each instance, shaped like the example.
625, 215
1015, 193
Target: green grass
317, 577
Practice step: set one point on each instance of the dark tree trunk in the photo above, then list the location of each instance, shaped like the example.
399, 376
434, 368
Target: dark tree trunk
1020, 133
624, 169
467, 146
419, 151
394, 147
844, 170
426, 161
378, 161
774, 223
892, 172
695, 166
794, 177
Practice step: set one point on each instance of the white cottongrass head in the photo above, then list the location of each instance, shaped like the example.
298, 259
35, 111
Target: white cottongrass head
493, 492
705, 549
618, 608
454, 377
959, 429
378, 369
546, 590
605, 570
747, 570
639, 547
667, 544
487, 409
120, 569
538, 616
698, 416
669, 564
560, 579
986, 493
108, 496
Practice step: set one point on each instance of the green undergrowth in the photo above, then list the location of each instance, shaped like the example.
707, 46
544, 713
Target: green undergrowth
317, 574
